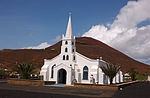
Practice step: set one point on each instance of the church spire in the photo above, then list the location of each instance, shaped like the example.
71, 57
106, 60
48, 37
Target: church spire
69, 28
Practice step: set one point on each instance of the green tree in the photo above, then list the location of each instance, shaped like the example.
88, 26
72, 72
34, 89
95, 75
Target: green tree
25, 70
110, 70
133, 72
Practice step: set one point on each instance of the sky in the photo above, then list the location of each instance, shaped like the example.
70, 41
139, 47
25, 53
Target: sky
36, 24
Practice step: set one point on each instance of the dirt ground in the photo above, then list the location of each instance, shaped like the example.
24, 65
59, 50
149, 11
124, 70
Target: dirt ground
15, 91
138, 90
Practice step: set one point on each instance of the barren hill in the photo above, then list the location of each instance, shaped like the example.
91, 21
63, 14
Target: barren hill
86, 46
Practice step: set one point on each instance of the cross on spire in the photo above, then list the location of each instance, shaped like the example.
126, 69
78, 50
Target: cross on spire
70, 13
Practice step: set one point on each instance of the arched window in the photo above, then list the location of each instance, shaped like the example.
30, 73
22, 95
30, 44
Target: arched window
63, 57
67, 57
52, 71
66, 42
66, 49
72, 50
72, 43
74, 58
85, 73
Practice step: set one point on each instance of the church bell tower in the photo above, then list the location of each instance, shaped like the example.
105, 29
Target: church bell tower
68, 44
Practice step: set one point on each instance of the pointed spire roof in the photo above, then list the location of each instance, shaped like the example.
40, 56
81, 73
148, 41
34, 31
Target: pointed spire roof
69, 28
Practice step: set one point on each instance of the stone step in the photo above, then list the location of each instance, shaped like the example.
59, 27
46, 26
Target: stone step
57, 85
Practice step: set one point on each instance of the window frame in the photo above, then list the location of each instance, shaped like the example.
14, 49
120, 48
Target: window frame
85, 73
52, 71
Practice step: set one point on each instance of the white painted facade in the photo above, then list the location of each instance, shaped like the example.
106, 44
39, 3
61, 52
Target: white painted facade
71, 66
148, 78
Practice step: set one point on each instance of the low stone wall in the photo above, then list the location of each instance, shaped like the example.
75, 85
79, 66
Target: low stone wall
49, 82
107, 87
95, 86
123, 85
26, 82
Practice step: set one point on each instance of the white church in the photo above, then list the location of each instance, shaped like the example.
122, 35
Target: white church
70, 66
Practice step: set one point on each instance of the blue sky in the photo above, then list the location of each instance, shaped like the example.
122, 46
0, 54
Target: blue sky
122, 24
26, 23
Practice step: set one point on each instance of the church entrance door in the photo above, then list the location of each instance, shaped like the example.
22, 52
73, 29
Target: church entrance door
62, 76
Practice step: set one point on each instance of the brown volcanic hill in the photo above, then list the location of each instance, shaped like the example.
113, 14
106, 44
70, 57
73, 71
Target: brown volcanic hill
86, 46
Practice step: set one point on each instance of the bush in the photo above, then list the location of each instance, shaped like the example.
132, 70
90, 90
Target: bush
141, 76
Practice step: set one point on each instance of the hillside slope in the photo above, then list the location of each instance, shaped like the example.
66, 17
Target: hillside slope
86, 46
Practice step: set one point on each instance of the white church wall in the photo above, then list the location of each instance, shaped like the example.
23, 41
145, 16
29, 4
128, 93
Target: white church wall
94, 72
148, 78
105, 79
43, 73
116, 78
101, 77
121, 77
48, 62
78, 73
84, 61
46, 68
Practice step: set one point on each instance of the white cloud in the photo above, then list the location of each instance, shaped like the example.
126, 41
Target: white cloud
56, 39
44, 44
124, 33
41, 46
146, 61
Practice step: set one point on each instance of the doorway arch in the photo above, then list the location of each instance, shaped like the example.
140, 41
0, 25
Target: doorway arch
62, 76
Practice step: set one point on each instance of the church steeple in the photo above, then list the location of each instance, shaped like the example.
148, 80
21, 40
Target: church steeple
68, 48
69, 29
